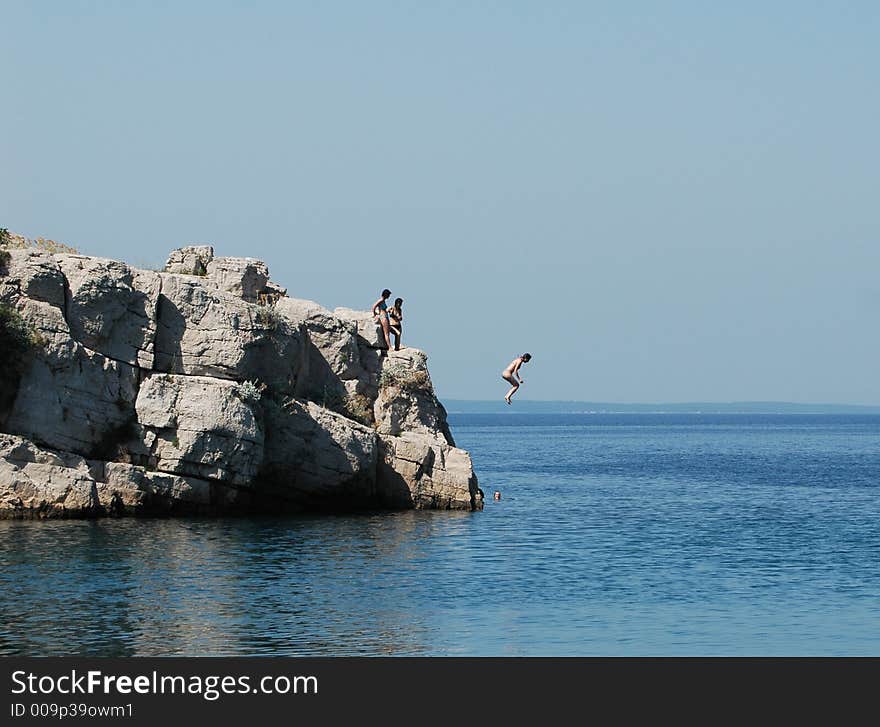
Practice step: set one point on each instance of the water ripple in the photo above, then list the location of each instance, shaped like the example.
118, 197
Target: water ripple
615, 535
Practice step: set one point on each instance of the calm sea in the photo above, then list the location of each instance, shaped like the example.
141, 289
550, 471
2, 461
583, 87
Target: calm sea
633, 534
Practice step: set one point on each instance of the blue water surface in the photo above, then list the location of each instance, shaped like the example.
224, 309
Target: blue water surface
630, 534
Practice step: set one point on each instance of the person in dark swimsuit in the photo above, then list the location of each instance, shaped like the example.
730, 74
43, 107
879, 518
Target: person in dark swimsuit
395, 313
380, 312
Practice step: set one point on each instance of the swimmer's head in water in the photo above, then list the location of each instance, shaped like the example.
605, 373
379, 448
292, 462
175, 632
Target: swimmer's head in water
526, 357
497, 495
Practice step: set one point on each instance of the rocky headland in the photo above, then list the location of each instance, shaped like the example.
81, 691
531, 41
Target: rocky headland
204, 389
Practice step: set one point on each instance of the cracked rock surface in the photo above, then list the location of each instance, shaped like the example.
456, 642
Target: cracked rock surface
205, 388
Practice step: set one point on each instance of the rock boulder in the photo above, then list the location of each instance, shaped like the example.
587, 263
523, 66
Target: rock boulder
73, 399
417, 470
243, 277
206, 332
318, 458
200, 427
190, 260
406, 401
31, 281
41, 483
111, 307
332, 373
368, 328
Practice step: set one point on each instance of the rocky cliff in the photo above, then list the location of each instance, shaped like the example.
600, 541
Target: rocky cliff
204, 388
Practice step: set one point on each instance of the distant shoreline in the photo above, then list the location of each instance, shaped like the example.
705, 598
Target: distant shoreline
525, 406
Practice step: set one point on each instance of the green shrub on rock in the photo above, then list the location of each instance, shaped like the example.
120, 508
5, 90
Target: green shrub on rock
359, 408
249, 392
4, 253
17, 338
404, 378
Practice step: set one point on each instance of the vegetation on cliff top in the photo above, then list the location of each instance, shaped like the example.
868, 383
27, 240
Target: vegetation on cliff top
404, 378
10, 240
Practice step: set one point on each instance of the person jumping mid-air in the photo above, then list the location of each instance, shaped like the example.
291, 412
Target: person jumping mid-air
511, 373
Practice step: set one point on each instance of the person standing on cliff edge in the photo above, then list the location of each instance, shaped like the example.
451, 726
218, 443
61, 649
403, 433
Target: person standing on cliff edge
380, 312
511, 373
395, 314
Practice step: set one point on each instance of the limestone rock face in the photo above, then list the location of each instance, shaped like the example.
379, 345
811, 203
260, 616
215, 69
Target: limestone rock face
242, 277
74, 400
124, 488
51, 483
367, 327
207, 332
334, 338
33, 275
69, 397
419, 471
41, 483
317, 457
111, 307
201, 427
190, 260
32, 282
406, 401
332, 372
150, 393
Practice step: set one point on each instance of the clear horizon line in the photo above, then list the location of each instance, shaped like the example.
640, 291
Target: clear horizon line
693, 401
744, 402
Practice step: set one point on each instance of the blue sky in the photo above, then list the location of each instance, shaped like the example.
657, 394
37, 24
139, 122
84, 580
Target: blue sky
661, 201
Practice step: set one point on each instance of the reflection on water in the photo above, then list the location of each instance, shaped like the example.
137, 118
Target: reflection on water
616, 534
289, 586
